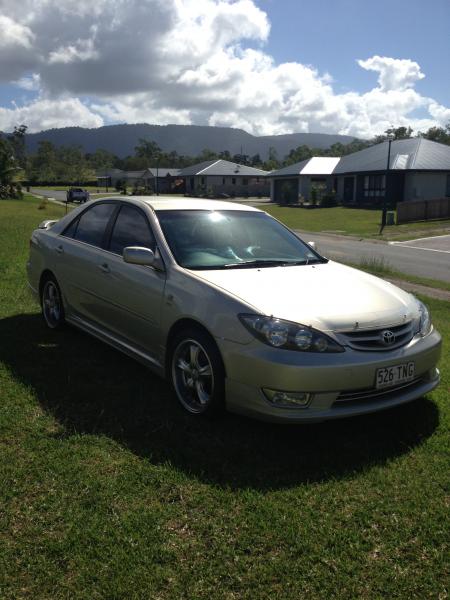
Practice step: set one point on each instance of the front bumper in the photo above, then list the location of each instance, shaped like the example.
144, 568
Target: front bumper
342, 384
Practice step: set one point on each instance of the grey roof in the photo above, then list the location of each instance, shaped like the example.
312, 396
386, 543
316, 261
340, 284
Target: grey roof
293, 170
194, 169
411, 154
317, 165
163, 171
222, 167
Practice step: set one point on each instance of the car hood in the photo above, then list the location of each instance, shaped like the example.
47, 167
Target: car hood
329, 297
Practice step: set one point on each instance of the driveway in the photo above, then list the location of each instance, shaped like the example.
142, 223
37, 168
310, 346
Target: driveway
428, 257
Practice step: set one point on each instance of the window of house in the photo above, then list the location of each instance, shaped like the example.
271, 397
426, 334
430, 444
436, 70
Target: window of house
233, 180
223, 180
202, 180
374, 185
447, 192
245, 181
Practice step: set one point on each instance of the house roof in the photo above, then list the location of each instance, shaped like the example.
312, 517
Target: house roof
222, 167
410, 154
318, 165
163, 171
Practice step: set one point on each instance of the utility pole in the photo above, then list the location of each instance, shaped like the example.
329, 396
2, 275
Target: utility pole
384, 213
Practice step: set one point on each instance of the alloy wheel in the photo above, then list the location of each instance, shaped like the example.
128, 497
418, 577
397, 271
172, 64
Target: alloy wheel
193, 376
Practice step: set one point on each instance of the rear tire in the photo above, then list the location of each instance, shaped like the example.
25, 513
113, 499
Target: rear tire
52, 304
197, 373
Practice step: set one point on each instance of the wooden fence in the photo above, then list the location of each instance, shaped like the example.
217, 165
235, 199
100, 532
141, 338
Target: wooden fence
423, 210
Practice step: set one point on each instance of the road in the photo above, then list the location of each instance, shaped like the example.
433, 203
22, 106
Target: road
49, 193
427, 257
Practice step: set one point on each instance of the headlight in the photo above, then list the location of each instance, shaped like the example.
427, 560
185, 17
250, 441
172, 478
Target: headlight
424, 324
287, 335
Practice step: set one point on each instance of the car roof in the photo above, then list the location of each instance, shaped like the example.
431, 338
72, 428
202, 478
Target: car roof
184, 203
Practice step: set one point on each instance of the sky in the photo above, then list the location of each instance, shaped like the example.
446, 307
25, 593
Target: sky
354, 67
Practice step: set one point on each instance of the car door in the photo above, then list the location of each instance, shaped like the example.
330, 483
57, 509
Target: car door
132, 294
79, 251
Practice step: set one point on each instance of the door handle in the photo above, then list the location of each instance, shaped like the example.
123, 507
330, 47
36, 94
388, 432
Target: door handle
59, 249
104, 268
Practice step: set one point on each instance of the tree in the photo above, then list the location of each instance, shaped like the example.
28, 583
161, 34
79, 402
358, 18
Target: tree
241, 159
9, 169
225, 155
72, 165
42, 166
17, 141
256, 161
272, 163
399, 133
101, 160
393, 133
149, 151
438, 134
207, 154
298, 154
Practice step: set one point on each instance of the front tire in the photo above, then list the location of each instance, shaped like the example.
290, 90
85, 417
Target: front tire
197, 373
52, 304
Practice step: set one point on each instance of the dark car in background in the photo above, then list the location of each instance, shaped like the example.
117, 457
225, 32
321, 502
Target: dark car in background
76, 194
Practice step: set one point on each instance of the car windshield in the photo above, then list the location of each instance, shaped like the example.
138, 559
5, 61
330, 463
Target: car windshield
232, 239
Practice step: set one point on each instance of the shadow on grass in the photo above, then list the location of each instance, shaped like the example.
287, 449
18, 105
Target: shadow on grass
90, 388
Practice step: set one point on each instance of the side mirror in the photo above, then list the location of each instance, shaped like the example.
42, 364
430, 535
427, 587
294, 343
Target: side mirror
137, 255
312, 244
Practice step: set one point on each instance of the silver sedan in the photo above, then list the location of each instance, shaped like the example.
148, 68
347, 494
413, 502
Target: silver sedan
233, 308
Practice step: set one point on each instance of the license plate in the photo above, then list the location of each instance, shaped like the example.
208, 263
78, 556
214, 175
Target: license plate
389, 376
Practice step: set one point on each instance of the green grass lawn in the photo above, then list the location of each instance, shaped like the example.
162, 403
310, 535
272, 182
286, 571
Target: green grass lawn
353, 221
108, 490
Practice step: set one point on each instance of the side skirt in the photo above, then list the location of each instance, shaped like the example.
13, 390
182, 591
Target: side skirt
118, 344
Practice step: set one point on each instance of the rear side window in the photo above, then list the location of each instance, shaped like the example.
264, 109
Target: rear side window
92, 224
131, 229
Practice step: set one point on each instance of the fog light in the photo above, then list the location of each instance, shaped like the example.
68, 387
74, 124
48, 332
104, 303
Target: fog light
287, 399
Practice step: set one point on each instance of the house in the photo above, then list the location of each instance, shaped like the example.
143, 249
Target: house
308, 179
217, 177
419, 169
155, 179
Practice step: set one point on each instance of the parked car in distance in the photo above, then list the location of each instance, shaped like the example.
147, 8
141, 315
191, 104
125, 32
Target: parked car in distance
233, 308
75, 194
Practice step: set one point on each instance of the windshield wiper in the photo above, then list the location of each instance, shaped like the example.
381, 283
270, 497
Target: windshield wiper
259, 262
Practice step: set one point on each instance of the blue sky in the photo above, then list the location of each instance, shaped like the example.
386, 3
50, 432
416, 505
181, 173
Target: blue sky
331, 34
267, 66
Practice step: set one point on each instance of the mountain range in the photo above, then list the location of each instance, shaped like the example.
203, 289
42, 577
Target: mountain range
189, 140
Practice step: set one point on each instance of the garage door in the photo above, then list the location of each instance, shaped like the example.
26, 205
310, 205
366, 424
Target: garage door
286, 191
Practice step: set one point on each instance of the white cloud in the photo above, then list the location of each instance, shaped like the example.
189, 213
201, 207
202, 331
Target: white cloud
394, 74
14, 34
47, 114
31, 83
80, 51
187, 61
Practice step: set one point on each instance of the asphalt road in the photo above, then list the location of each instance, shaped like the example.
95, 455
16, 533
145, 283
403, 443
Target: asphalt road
49, 193
427, 257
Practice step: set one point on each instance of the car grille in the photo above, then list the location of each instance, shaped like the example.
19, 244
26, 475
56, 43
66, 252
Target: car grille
373, 340
360, 396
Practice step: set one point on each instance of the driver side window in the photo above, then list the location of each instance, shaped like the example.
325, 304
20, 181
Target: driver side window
131, 229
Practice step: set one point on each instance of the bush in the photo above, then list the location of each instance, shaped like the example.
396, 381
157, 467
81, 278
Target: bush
329, 200
140, 190
11, 190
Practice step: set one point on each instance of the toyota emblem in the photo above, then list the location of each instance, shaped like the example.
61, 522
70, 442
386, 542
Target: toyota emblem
387, 337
